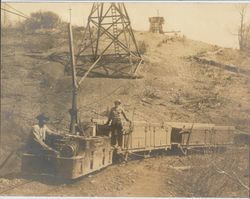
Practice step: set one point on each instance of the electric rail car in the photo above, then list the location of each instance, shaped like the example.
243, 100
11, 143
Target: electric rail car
81, 155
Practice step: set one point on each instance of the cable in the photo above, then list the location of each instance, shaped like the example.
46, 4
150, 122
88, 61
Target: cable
16, 10
14, 13
102, 98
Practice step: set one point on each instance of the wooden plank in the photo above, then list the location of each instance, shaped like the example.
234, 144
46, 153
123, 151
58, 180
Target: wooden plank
138, 65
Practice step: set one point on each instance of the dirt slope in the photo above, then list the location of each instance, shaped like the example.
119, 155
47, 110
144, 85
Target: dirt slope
175, 87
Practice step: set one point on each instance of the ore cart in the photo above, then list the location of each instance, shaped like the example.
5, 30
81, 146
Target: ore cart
140, 137
201, 136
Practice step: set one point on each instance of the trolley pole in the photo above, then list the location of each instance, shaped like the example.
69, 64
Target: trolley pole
70, 15
73, 111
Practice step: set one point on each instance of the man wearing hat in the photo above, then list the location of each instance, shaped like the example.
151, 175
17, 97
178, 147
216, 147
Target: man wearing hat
115, 117
36, 142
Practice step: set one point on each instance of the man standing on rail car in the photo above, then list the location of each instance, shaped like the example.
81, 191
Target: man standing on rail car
36, 143
115, 117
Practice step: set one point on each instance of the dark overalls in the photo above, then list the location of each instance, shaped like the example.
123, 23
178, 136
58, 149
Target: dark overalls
116, 125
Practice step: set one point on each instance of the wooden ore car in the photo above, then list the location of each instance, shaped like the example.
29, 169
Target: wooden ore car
146, 136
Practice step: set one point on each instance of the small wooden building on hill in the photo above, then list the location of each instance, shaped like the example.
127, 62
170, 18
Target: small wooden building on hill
156, 24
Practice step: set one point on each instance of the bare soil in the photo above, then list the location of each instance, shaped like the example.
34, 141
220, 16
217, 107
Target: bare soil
174, 88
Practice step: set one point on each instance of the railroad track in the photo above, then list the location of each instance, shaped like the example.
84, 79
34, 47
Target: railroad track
21, 184
11, 187
49, 189
24, 182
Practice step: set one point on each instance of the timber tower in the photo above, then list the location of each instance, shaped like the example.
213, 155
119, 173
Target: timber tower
108, 45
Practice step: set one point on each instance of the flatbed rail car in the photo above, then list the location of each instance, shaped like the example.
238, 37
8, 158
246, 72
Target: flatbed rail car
140, 136
202, 136
145, 136
78, 156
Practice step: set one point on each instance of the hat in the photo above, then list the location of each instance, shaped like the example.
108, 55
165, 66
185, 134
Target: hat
42, 117
117, 101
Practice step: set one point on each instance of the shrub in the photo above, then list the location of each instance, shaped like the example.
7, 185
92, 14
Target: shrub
40, 20
150, 92
159, 44
46, 42
142, 47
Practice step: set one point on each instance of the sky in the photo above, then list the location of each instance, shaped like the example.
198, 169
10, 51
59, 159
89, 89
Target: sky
214, 23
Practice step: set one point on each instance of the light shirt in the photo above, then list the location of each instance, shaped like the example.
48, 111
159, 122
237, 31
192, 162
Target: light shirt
116, 114
40, 132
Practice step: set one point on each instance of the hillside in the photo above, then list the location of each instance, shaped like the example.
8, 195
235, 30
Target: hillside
175, 87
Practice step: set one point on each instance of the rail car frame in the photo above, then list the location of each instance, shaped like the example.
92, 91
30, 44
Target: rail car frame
145, 136
96, 152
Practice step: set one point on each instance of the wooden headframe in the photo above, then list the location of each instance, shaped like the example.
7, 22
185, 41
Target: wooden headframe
108, 38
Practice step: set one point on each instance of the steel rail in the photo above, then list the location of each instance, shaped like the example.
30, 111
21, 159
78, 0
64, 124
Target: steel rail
16, 186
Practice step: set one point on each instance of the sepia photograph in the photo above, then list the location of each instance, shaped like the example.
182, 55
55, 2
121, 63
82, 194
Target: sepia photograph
125, 99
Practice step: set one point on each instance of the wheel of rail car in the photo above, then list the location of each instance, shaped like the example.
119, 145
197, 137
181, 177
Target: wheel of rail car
147, 154
211, 149
204, 150
214, 149
208, 150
